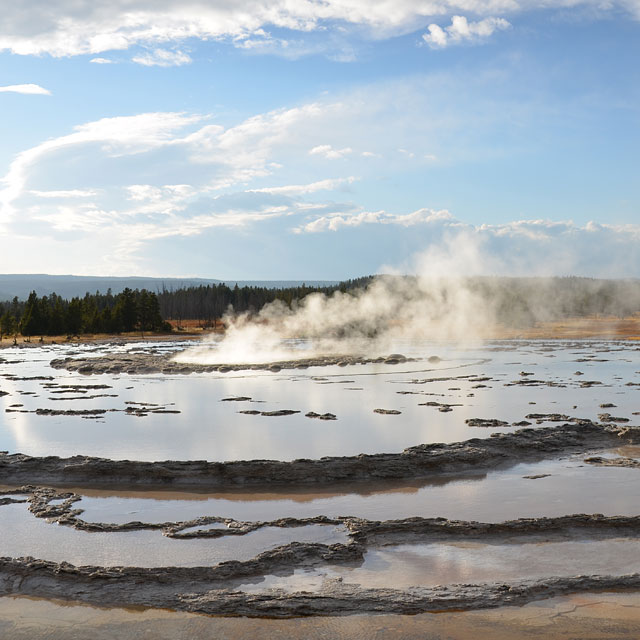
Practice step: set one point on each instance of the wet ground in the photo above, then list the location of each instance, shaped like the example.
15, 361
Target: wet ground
602, 616
254, 548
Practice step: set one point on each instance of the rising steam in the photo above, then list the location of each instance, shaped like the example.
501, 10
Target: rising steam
438, 304
452, 297
365, 321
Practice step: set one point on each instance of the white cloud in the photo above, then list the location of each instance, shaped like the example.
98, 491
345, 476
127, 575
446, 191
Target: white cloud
32, 27
336, 221
129, 163
28, 89
517, 248
461, 30
119, 135
130, 181
163, 58
70, 193
327, 151
101, 61
202, 158
301, 189
149, 193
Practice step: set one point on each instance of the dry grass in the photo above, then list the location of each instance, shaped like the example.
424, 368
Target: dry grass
571, 328
606, 327
7, 341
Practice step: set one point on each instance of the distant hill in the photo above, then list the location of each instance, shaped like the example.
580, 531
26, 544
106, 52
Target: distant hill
22, 285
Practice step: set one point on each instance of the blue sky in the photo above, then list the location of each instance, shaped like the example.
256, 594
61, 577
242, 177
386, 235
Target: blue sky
312, 140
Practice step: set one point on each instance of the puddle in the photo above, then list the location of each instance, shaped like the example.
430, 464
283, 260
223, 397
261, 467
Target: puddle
409, 565
571, 486
14, 496
601, 616
24, 535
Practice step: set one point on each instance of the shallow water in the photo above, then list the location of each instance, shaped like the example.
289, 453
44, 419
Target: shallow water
24, 535
571, 487
411, 565
601, 616
207, 428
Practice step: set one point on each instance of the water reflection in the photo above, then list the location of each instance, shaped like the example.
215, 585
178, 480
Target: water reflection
208, 428
570, 487
24, 535
409, 565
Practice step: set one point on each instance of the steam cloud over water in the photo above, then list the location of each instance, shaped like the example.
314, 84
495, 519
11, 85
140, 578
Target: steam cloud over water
365, 322
452, 299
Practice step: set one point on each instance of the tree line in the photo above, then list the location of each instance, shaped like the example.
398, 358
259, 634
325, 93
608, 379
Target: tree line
209, 303
130, 310
526, 301
515, 301
143, 310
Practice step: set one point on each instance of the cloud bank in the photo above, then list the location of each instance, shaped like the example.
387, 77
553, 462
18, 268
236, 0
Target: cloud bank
33, 27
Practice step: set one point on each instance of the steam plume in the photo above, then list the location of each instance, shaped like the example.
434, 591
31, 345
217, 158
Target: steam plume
453, 296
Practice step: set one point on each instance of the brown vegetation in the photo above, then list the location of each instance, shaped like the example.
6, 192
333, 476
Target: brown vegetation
604, 327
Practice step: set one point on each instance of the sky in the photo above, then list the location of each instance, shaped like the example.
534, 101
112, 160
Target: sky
308, 139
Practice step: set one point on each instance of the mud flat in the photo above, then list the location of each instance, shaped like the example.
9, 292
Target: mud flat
194, 589
414, 462
218, 588
136, 363
600, 616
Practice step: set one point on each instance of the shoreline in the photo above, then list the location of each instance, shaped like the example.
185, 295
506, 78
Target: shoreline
580, 328
104, 338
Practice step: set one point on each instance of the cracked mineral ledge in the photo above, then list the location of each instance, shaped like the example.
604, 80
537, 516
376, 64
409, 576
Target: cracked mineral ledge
24, 535
494, 496
407, 565
601, 616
